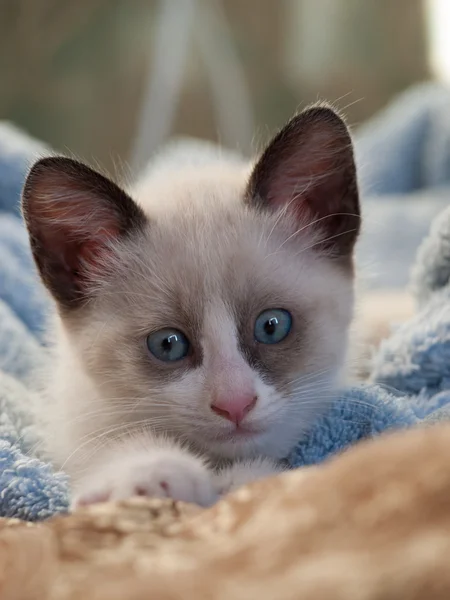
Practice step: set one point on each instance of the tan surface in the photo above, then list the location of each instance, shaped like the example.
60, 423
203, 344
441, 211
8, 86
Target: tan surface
379, 311
377, 315
373, 524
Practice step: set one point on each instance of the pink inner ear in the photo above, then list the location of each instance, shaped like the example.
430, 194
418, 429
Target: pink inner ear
94, 253
308, 169
76, 233
309, 183
78, 228
73, 214
308, 166
290, 191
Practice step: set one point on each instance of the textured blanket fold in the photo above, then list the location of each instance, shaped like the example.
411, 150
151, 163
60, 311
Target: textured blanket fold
410, 382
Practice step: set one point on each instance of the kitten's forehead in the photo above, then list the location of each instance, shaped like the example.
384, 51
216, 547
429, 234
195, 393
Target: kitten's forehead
232, 257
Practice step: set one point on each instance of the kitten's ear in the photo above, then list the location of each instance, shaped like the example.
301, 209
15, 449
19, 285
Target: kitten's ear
309, 169
74, 215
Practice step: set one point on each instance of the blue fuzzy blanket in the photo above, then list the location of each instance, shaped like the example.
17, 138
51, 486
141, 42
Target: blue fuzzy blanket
404, 159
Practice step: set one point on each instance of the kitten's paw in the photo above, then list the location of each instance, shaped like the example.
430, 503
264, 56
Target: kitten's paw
164, 474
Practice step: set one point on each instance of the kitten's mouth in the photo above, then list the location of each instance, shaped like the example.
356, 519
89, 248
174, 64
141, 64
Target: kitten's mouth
241, 432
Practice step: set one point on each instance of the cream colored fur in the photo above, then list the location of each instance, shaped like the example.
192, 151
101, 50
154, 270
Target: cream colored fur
98, 397
204, 251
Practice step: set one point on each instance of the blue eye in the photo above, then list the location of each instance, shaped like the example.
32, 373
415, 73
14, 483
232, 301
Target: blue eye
168, 345
273, 325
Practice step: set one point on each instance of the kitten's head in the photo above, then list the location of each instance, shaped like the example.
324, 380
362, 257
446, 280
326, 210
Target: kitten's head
221, 318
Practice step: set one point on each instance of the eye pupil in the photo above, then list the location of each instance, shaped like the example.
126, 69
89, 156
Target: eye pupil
166, 344
272, 326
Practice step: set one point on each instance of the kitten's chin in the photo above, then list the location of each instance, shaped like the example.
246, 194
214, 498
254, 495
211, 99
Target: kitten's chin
249, 443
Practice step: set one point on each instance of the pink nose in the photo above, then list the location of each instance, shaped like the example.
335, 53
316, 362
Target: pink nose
234, 408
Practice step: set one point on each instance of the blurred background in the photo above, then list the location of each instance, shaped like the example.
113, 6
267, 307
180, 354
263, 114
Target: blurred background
110, 80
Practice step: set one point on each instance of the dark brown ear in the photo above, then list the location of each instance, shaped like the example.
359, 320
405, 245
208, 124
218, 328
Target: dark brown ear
309, 169
74, 215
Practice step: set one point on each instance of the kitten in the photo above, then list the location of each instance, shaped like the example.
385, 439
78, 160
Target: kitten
201, 327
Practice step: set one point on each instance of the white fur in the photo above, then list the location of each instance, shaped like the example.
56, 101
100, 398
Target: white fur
161, 468
91, 403
158, 468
